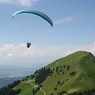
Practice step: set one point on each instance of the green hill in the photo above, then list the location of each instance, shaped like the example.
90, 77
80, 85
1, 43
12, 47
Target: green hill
73, 73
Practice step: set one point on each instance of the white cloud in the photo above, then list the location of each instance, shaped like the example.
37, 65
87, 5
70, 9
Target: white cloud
10, 50
65, 20
61, 50
11, 55
21, 50
93, 49
20, 53
20, 2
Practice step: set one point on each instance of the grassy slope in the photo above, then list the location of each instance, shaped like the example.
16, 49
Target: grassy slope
26, 88
84, 64
83, 79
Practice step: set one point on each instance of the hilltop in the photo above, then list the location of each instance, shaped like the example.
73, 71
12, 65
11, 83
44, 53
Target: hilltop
73, 73
70, 75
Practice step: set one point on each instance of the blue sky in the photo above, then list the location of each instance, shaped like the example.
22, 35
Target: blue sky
74, 29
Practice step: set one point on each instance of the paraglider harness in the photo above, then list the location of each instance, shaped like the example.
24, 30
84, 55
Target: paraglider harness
28, 44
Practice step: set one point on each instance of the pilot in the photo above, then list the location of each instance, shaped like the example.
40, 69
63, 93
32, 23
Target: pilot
28, 45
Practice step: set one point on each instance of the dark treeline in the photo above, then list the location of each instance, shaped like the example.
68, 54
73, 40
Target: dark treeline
8, 90
41, 75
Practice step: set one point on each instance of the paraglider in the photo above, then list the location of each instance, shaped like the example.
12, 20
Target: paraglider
38, 13
44, 16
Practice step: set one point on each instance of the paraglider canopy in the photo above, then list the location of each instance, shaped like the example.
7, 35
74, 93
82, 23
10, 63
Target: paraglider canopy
44, 16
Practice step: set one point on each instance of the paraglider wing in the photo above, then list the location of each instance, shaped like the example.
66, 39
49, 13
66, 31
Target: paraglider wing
44, 16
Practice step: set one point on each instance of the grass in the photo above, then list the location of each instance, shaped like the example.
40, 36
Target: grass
84, 78
26, 88
82, 62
